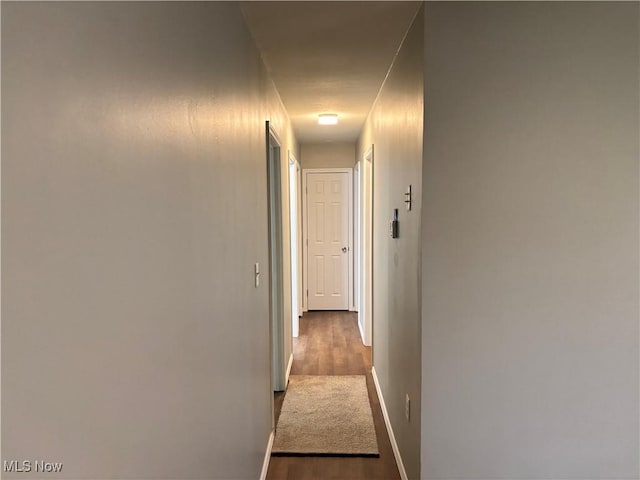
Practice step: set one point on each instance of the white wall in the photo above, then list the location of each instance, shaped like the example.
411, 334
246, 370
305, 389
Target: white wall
394, 127
530, 241
134, 344
328, 155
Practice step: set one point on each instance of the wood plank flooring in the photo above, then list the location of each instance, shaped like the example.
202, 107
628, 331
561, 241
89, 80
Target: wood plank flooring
330, 344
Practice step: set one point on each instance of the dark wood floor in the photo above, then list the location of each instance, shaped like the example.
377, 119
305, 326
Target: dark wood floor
330, 344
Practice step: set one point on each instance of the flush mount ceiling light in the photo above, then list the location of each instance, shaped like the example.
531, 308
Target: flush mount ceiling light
328, 119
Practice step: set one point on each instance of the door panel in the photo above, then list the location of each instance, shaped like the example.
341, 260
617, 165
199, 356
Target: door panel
328, 235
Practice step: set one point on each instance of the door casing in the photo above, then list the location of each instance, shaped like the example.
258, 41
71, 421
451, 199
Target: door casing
296, 242
365, 249
276, 269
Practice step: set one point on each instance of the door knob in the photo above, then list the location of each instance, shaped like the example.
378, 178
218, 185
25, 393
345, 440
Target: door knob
344, 249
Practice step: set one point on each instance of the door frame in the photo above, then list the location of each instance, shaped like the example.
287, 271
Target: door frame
357, 236
295, 213
365, 311
276, 260
305, 246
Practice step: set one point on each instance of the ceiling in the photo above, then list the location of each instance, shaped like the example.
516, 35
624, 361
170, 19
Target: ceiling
328, 57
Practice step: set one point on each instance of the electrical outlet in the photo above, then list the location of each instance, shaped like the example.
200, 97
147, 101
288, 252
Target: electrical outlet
407, 407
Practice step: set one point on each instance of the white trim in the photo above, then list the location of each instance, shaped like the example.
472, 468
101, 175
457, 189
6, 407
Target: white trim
361, 331
305, 238
286, 380
267, 457
327, 170
387, 422
350, 227
366, 247
305, 241
358, 249
295, 236
300, 239
357, 216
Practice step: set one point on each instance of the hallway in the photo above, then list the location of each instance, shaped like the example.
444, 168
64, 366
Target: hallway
329, 344
173, 199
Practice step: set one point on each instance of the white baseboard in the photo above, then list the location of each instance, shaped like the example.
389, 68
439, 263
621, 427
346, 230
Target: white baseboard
361, 333
267, 457
286, 378
387, 422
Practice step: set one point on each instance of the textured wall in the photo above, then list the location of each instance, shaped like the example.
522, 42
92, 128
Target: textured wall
134, 344
530, 241
328, 155
394, 127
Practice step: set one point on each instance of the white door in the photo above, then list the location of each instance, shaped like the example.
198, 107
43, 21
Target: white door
328, 240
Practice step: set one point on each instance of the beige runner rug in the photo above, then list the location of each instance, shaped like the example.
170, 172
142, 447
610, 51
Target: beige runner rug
326, 415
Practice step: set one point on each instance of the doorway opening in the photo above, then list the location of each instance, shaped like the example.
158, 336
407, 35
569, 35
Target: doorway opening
276, 290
